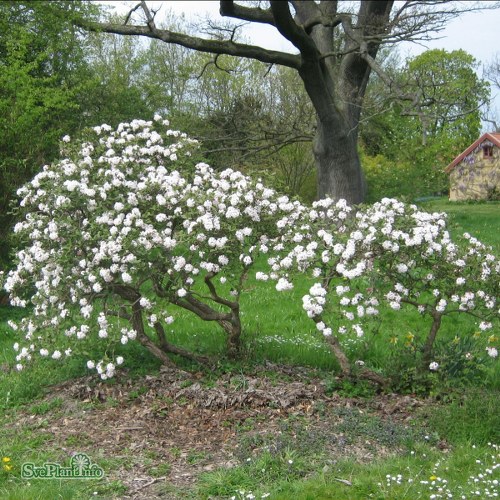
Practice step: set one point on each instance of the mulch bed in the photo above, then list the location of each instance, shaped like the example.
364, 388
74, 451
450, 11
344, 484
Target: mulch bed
195, 426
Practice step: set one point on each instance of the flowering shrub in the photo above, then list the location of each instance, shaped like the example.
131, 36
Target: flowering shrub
392, 253
419, 266
126, 225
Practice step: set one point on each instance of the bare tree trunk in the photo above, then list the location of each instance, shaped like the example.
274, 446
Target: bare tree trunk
4, 299
337, 162
229, 321
338, 352
429, 343
345, 365
138, 325
233, 329
171, 348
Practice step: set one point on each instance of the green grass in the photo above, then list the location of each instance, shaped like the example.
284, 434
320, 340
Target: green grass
480, 219
468, 423
414, 473
34, 444
395, 479
471, 417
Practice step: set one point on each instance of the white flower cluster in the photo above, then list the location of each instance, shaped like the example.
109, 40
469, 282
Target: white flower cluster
389, 252
125, 208
128, 210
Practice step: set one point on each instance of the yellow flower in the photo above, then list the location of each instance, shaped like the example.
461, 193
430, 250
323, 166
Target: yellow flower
7, 468
477, 335
492, 338
433, 477
410, 337
5, 460
393, 340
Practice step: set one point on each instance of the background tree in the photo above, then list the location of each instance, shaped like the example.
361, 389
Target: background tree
114, 91
42, 74
492, 73
242, 112
56, 79
412, 144
338, 50
447, 105
251, 115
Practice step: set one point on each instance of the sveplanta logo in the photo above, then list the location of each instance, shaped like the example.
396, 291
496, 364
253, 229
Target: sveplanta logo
81, 467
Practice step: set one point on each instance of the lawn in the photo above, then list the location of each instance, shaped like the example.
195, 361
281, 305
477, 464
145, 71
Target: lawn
482, 220
280, 425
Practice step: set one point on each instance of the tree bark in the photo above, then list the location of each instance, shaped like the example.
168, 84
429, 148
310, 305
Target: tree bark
429, 343
230, 321
339, 173
138, 325
171, 348
338, 352
336, 92
136, 318
233, 329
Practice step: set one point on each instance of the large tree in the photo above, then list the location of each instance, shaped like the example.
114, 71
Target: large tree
338, 44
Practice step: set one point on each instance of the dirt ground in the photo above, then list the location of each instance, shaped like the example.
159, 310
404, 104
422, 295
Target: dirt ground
159, 433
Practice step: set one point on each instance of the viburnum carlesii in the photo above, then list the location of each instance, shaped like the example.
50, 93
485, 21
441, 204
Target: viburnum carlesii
233, 220
389, 252
329, 246
417, 265
89, 233
125, 223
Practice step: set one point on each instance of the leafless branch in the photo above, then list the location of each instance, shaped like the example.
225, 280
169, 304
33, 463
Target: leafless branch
149, 17
199, 308
217, 31
214, 62
228, 47
291, 31
131, 11
495, 124
236, 11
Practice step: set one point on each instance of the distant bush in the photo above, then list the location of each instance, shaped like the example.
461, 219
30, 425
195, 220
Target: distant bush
404, 180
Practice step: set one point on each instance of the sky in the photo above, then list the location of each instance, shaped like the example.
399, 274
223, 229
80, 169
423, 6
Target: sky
477, 33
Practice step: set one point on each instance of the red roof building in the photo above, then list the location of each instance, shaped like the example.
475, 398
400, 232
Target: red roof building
475, 173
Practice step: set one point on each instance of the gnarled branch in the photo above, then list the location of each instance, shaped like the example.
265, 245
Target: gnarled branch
168, 347
217, 298
227, 47
256, 15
